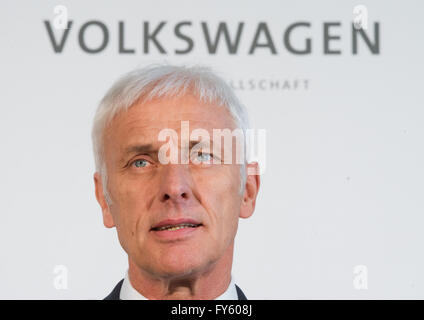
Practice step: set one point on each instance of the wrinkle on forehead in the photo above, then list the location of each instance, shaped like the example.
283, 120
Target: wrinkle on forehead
169, 114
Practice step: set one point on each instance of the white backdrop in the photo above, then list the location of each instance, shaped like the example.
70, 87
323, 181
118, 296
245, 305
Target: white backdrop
344, 175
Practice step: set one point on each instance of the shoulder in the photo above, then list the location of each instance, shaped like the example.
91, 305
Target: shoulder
114, 295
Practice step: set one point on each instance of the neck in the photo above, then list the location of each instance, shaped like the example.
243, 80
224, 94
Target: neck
206, 284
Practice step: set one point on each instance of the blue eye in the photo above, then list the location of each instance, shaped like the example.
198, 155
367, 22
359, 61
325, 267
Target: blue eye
204, 156
140, 163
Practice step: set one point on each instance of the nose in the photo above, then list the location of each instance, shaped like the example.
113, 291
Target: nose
176, 186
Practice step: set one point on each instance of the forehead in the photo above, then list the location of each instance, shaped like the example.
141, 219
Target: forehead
147, 119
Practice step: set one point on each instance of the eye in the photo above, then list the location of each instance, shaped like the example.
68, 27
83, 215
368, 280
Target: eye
204, 157
140, 163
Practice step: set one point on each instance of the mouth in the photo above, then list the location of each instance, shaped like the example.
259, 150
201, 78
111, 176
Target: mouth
174, 227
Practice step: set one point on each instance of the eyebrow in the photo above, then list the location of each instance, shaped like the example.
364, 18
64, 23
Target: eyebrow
139, 148
148, 148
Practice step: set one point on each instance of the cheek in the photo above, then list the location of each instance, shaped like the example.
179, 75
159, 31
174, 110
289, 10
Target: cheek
129, 207
222, 201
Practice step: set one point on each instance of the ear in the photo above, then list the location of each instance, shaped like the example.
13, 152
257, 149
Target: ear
250, 191
100, 196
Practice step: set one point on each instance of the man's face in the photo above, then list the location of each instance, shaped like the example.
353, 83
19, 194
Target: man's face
147, 194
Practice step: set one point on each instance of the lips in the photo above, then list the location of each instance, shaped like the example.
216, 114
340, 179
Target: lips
175, 224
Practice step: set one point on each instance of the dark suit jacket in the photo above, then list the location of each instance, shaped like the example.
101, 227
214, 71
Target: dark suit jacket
114, 295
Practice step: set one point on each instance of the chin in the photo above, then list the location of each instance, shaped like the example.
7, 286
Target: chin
180, 265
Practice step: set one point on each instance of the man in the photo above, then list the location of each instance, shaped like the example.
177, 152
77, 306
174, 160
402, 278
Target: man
176, 216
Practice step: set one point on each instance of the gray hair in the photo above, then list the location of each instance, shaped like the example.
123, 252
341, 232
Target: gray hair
164, 81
